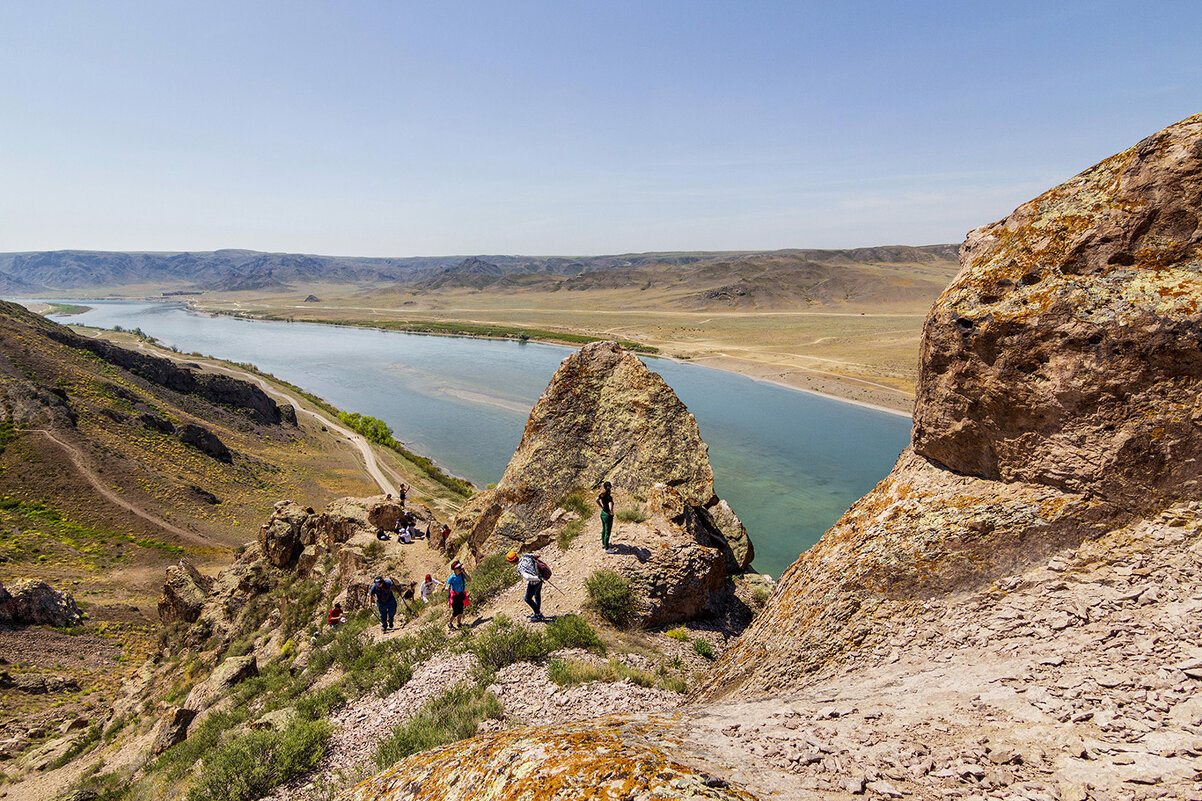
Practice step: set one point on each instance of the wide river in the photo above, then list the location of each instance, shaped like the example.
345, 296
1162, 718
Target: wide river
788, 462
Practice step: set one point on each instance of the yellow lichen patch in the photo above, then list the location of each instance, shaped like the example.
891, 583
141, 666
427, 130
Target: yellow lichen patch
598, 762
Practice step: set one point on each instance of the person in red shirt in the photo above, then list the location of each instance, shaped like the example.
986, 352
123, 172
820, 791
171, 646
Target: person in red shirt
336, 616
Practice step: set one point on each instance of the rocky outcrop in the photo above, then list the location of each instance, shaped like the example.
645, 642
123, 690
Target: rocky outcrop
233, 670
172, 729
184, 593
603, 417
552, 763
29, 602
205, 441
1057, 400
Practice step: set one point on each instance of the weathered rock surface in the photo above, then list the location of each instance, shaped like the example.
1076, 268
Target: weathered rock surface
603, 417
218, 683
567, 763
1058, 399
184, 593
172, 729
31, 602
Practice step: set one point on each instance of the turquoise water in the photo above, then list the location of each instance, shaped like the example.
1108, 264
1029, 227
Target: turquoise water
789, 463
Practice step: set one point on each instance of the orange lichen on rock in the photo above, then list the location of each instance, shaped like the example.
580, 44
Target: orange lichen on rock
551, 763
1057, 400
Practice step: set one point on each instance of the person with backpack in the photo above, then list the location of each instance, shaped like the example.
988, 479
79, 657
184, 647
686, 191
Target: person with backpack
382, 593
457, 594
535, 571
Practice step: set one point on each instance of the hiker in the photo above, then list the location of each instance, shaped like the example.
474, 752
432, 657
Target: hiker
530, 567
446, 532
427, 588
406, 536
381, 589
606, 501
336, 616
401, 494
381, 534
457, 594
408, 595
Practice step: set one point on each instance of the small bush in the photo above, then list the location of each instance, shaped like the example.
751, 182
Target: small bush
566, 672
373, 550
674, 683
454, 715
250, 766
568, 534
577, 501
679, 633
759, 596
502, 643
703, 648
491, 576
631, 514
573, 631
610, 594
321, 703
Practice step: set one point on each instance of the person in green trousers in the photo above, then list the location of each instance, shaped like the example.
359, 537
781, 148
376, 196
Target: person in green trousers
606, 501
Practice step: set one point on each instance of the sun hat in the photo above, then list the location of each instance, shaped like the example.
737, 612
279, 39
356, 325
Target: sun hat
512, 556
455, 565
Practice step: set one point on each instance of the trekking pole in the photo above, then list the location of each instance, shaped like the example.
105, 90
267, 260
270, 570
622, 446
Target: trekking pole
561, 592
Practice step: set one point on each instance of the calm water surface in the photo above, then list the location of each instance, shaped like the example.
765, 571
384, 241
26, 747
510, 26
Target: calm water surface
789, 463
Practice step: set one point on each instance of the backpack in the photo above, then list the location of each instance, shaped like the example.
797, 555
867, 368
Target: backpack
543, 570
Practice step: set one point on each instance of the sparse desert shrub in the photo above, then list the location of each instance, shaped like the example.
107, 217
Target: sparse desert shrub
373, 550
610, 594
566, 672
251, 765
568, 534
573, 631
577, 501
631, 514
490, 577
502, 643
679, 633
454, 715
759, 596
321, 703
703, 648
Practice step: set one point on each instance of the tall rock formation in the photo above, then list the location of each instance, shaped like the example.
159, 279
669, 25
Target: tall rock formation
1058, 399
603, 417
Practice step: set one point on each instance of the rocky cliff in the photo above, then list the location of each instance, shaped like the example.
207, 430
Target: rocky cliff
1058, 400
603, 417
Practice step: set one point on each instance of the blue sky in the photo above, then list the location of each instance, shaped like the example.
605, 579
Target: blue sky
566, 127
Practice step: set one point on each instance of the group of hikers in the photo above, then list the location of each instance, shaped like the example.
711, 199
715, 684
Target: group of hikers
531, 568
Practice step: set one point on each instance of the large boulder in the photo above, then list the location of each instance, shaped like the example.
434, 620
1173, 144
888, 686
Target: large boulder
172, 729
230, 672
1058, 399
184, 593
281, 536
204, 441
603, 417
33, 602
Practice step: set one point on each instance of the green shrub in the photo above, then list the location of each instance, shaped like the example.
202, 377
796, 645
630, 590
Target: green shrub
565, 672
321, 703
759, 596
610, 594
679, 633
491, 576
568, 534
502, 643
577, 501
454, 715
573, 631
703, 648
631, 514
251, 765
373, 550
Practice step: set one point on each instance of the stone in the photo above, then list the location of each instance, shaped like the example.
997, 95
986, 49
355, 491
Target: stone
27, 602
230, 672
184, 593
171, 729
603, 417
280, 536
204, 441
1057, 401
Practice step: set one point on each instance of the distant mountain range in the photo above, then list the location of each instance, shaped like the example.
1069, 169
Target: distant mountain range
699, 279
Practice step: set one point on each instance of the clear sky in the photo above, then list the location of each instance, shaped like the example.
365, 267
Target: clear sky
387, 127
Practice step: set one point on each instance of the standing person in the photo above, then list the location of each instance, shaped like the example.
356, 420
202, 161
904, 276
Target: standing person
457, 594
427, 588
446, 532
528, 568
401, 493
606, 501
382, 592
